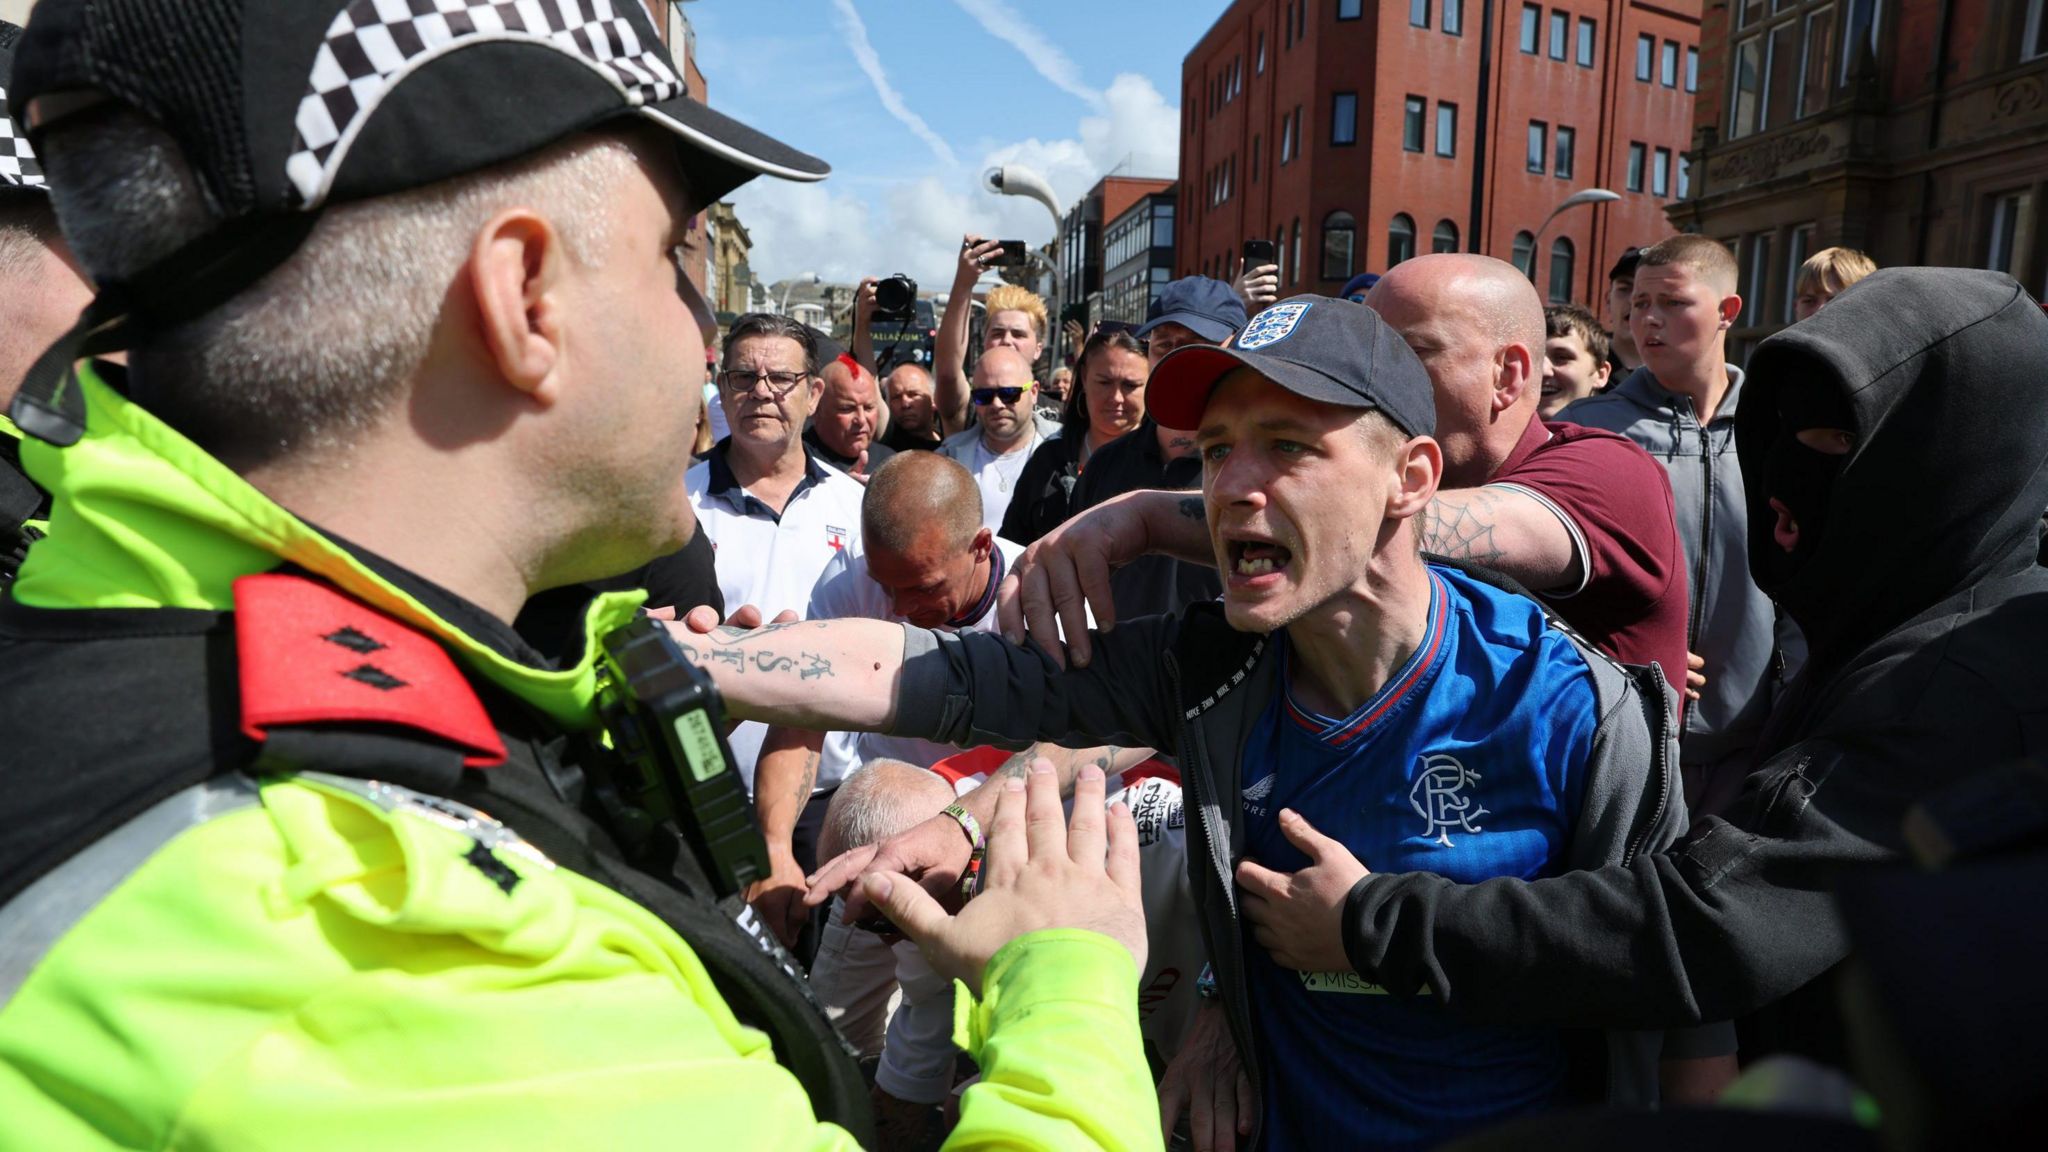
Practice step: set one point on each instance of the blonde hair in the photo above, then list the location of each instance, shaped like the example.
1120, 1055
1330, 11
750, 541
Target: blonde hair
1832, 270
1010, 298
1709, 259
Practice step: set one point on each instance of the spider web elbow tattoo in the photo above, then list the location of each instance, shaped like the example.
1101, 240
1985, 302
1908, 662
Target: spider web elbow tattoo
1460, 531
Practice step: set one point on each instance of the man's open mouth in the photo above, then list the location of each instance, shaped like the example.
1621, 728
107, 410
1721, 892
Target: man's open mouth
1254, 558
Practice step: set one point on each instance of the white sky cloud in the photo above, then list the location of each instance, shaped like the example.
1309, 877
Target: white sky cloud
1005, 23
871, 63
915, 223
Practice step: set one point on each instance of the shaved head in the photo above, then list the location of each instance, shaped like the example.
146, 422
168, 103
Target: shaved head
915, 494
1477, 325
1002, 368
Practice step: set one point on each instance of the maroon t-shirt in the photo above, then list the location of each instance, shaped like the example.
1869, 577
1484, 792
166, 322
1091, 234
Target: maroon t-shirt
1617, 501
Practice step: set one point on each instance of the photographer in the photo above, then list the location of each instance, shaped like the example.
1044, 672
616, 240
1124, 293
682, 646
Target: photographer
1017, 319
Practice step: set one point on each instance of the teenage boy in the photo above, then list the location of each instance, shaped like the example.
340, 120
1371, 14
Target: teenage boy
1575, 351
1681, 407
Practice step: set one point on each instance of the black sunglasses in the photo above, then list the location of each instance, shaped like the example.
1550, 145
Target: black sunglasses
986, 396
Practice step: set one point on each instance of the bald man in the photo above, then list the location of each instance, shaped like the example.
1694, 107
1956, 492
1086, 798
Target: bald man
846, 427
1007, 428
929, 560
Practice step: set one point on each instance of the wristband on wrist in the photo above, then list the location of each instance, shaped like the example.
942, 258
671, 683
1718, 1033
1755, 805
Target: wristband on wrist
970, 878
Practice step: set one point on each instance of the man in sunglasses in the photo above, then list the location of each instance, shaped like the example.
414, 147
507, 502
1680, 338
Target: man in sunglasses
1007, 428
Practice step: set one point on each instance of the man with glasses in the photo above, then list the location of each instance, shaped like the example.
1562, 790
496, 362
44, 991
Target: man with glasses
1007, 428
775, 513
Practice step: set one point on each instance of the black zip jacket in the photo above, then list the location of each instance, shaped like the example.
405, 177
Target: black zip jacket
1927, 618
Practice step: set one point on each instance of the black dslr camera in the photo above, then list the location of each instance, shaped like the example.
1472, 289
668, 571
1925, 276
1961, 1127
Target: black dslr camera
677, 788
896, 299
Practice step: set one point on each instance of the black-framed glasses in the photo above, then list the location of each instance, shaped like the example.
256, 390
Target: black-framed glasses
987, 396
780, 384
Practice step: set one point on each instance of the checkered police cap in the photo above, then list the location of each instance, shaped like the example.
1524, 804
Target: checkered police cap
19, 171
284, 106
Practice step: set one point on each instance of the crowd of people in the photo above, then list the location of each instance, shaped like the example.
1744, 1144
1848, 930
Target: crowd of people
1384, 720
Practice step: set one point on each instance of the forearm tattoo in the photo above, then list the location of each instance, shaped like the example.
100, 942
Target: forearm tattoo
1461, 528
1066, 762
737, 650
1191, 507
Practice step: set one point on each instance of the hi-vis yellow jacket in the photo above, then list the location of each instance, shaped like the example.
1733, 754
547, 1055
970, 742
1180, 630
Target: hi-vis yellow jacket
312, 961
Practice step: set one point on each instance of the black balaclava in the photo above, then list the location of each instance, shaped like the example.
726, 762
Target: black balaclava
1801, 477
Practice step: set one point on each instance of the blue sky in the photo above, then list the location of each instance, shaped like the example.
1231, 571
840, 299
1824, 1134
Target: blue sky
947, 88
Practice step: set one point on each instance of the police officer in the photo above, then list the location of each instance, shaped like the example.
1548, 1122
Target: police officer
41, 294
302, 847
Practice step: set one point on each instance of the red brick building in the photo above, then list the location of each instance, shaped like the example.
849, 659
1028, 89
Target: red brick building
682, 47
1355, 133
1916, 130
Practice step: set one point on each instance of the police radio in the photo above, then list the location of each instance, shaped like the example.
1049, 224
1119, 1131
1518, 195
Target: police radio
668, 729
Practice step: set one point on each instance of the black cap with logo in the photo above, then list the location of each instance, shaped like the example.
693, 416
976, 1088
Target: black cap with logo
283, 108
1333, 351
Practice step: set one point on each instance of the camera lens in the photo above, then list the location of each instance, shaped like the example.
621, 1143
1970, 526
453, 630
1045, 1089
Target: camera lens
896, 295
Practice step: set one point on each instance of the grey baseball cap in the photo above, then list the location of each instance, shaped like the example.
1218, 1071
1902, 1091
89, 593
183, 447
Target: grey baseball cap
1318, 347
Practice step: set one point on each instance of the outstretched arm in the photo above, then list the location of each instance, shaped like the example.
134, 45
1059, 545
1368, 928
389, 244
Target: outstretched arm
822, 674
949, 350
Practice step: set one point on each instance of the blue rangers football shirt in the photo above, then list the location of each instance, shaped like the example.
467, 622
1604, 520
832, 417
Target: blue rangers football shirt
1468, 764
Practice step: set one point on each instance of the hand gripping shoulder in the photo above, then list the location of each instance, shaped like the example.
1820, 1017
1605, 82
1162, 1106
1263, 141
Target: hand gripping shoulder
312, 656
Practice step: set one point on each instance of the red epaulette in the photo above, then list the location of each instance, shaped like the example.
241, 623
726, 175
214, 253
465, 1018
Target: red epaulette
311, 655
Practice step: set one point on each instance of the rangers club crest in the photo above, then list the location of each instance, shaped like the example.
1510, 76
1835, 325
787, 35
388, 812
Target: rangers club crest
1271, 326
1442, 797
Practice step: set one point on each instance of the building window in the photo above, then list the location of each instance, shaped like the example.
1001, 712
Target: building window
1296, 258
1560, 33
1684, 176
1692, 69
1400, 239
1524, 255
1562, 259
1454, 17
1859, 32
1259, 57
1301, 21
1411, 123
1667, 65
1445, 238
1344, 118
1280, 252
1446, 128
1589, 35
1746, 88
1796, 252
1162, 226
1532, 25
1539, 145
1340, 240
1567, 148
1635, 167
1660, 173
1646, 47
1348, 9
1757, 281
2012, 234
1286, 137
1287, 29
1418, 13
2033, 38
1813, 63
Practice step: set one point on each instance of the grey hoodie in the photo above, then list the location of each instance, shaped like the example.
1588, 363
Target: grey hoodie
1731, 624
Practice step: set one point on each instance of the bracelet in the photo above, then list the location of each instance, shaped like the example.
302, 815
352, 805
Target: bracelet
968, 824
970, 879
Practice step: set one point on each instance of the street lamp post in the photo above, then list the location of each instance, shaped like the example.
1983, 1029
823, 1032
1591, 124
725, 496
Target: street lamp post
801, 278
1581, 197
1015, 180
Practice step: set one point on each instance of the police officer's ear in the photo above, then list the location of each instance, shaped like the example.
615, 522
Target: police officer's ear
516, 266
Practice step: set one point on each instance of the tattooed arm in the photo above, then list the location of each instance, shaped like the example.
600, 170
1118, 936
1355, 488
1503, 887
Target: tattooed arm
820, 674
1066, 764
783, 777
1507, 529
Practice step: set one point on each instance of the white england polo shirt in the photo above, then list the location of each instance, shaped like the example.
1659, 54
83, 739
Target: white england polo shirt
770, 561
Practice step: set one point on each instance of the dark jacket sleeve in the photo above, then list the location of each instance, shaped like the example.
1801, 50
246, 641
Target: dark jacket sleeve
1729, 918
974, 688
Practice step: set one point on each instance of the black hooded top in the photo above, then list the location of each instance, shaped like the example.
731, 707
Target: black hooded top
1929, 619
